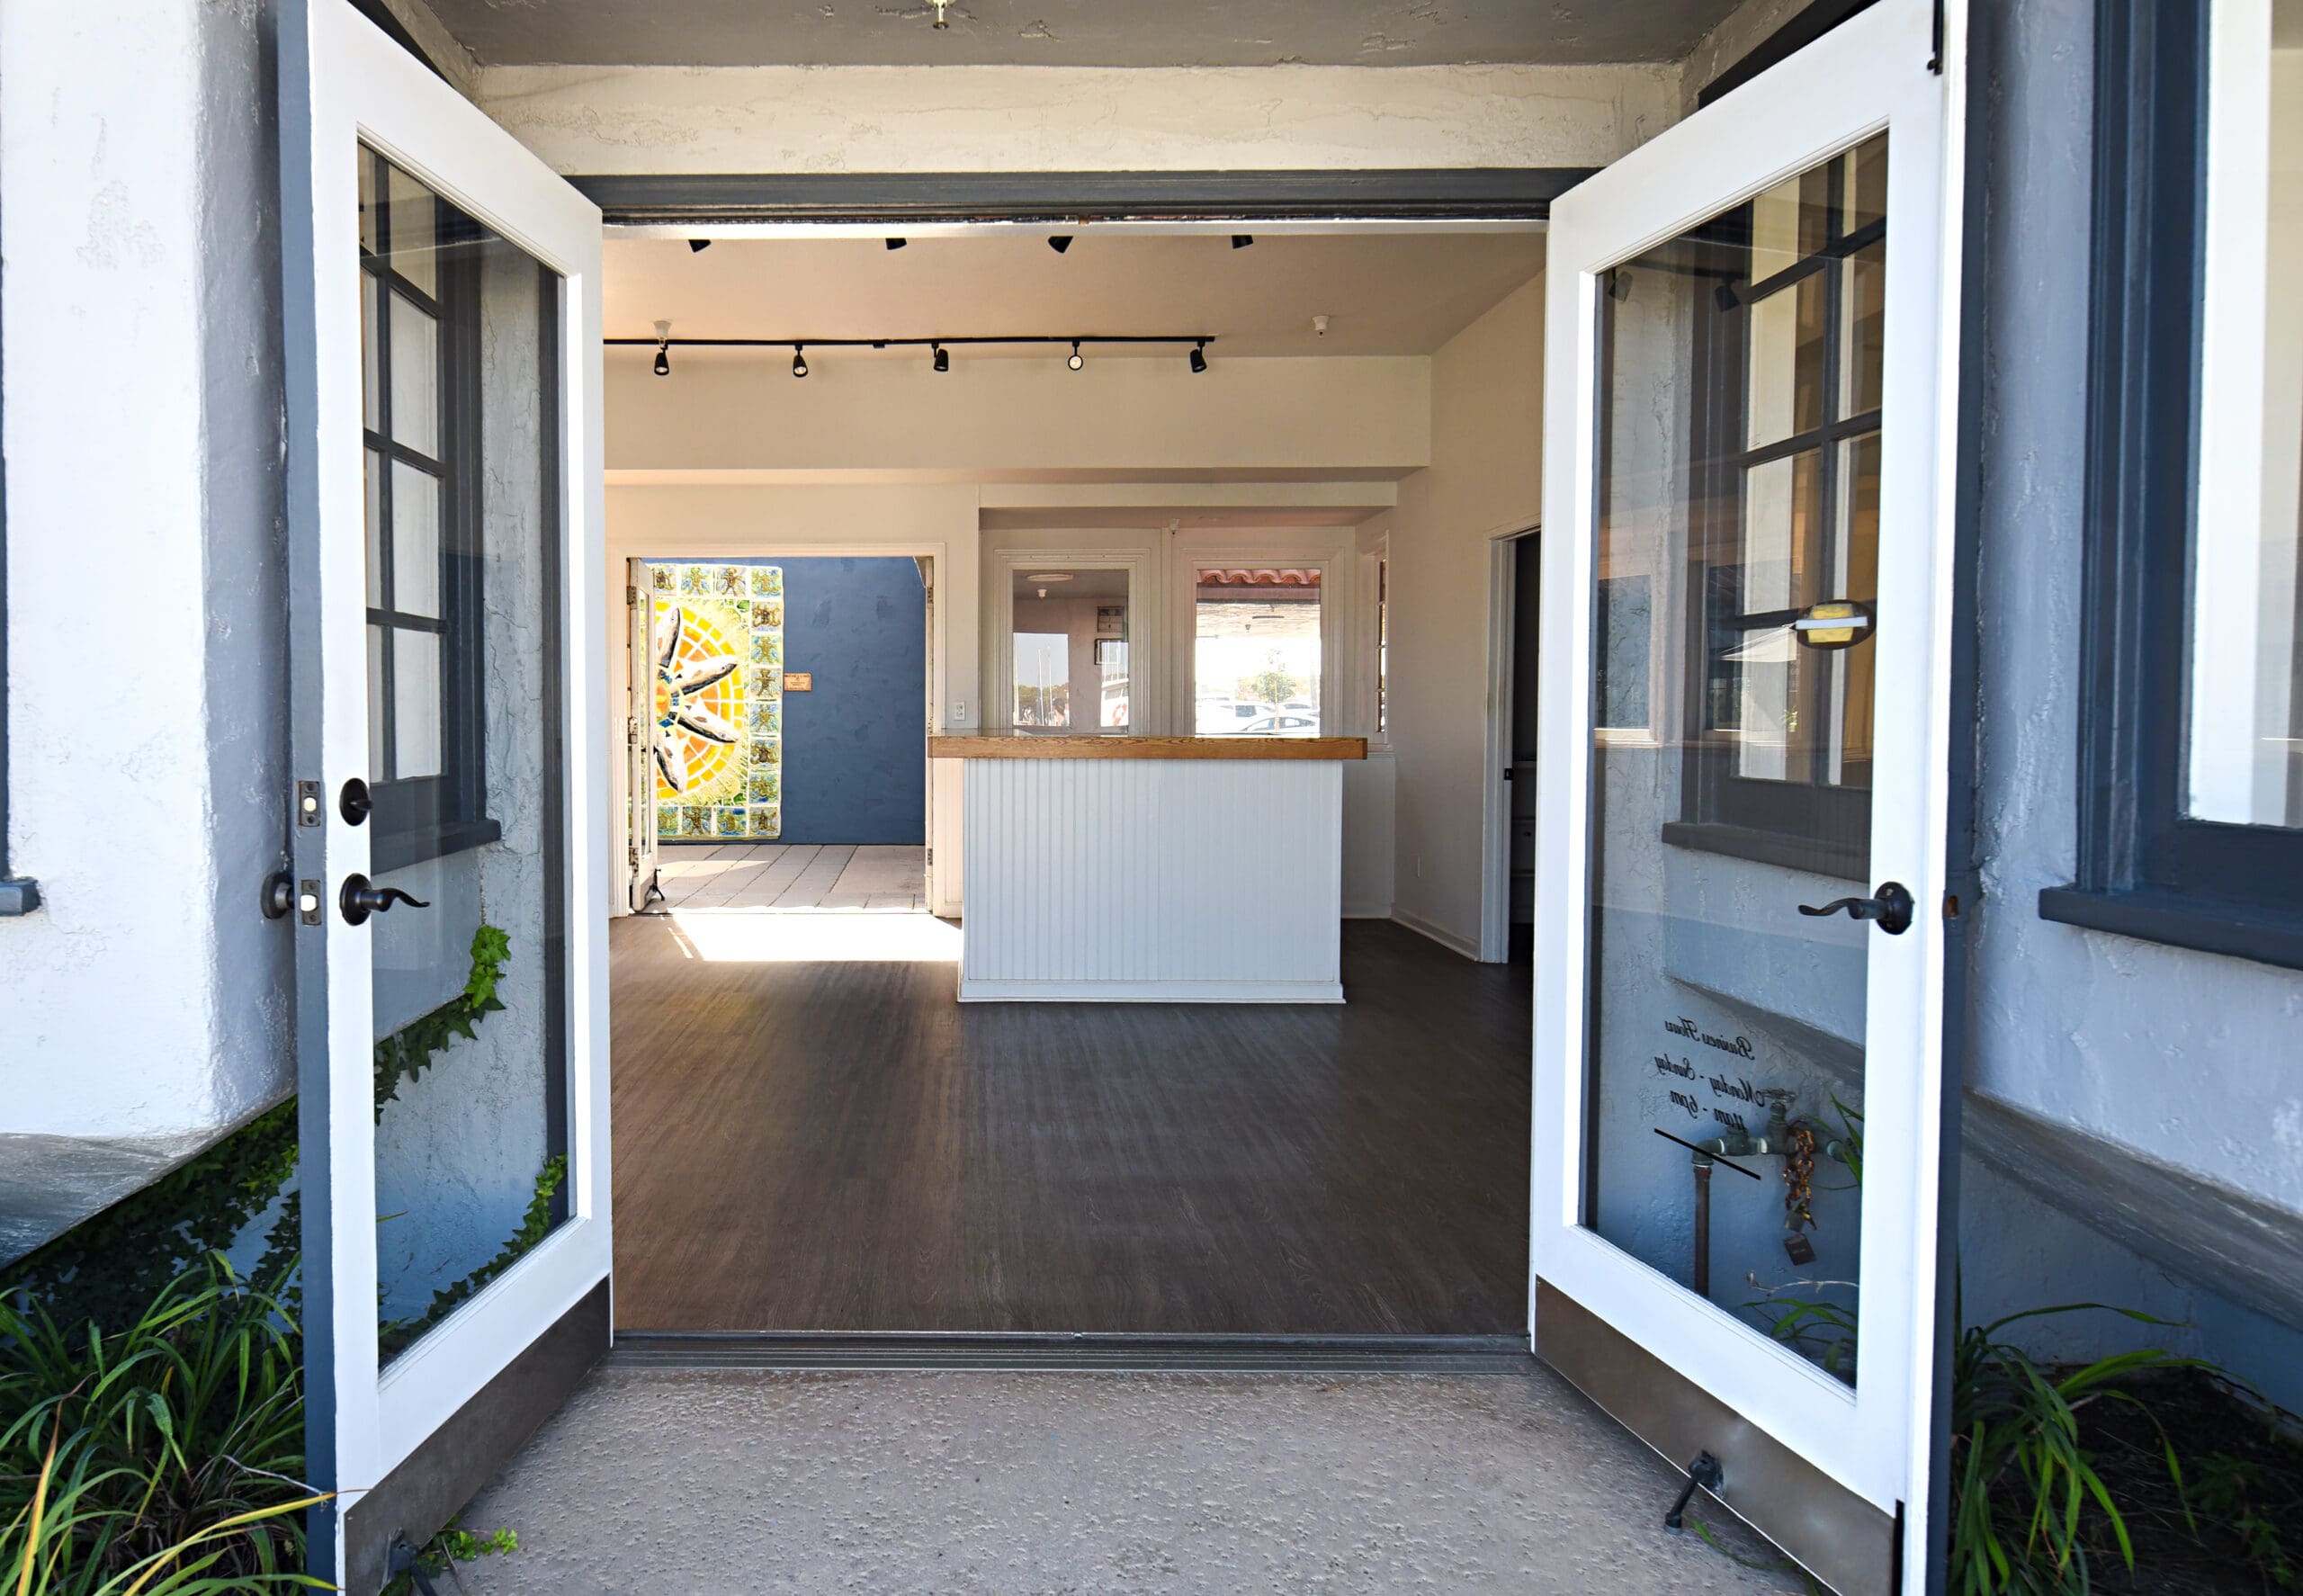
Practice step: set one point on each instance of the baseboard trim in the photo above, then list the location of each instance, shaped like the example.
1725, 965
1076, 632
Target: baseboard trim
1062, 1352
1843, 1540
1367, 912
1466, 946
978, 990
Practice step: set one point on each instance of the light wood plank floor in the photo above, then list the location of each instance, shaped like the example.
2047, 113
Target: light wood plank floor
799, 875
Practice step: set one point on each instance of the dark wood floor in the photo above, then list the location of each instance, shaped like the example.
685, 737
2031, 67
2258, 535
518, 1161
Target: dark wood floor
845, 1147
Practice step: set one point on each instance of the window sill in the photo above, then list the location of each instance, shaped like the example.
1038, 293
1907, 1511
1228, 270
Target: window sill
2239, 931
19, 895
397, 850
1803, 854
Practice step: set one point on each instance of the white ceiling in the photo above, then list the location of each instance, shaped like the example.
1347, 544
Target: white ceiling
1077, 32
1385, 293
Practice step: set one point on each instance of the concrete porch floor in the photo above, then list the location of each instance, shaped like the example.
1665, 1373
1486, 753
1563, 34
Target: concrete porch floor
696, 1483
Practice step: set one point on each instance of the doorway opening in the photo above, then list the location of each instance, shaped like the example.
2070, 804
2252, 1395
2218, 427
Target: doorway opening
1189, 496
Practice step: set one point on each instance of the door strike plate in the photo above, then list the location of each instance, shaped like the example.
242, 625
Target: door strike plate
308, 803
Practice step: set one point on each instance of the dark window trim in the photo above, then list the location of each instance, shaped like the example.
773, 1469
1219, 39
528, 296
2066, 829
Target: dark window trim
1435, 192
2142, 869
430, 817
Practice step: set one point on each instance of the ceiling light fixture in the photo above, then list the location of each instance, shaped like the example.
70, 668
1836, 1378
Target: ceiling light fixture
698, 246
1060, 242
941, 20
897, 243
943, 357
1319, 324
799, 360
1077, 360
663, 367
1242, 240
1199, 358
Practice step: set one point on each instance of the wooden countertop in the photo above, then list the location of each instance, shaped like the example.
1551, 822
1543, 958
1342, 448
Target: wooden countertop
1025, 745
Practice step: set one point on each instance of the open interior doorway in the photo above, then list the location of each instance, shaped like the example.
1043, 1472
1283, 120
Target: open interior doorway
1190, 498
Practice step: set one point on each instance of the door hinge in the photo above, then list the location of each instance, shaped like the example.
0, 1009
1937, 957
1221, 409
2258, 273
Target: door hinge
630, 596
931, 856
632, 855
632, 730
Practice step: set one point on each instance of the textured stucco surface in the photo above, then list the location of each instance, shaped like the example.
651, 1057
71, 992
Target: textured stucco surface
659, 119
1027, 1483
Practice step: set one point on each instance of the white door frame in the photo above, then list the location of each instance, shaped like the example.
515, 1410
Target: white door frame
1868, 73
342, 84
1495, 792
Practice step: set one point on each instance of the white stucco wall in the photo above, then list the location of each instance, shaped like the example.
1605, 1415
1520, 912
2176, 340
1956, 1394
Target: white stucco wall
142, 1004
1023, 118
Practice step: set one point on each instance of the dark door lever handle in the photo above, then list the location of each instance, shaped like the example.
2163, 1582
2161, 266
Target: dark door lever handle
1889, 908
360, 898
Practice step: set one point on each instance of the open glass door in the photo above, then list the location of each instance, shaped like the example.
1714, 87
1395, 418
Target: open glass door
443, 350
1740, 944
642, 674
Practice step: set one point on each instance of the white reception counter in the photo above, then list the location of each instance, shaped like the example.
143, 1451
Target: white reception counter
1104, 869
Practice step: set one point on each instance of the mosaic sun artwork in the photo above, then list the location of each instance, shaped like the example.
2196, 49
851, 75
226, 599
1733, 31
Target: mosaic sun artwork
718, 732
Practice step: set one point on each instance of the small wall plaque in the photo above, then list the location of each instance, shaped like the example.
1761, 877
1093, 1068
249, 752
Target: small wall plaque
799, 681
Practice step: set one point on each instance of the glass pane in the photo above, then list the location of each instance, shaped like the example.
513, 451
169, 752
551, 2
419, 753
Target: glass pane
1786, 362
413, 219
2246, 696
416, 703
375, 702
1255, 651
414, 339
415, 540
1867, 278
372, 480
1864, 177
1726, 1042
471, 1129
371, 416
1070, 651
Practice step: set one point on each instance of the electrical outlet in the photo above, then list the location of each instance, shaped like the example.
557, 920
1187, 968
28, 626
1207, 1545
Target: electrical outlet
960, 711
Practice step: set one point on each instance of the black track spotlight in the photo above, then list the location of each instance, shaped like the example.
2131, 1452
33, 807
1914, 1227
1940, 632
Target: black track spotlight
1242, 240
698, 246
1199, 358
1077, 360
1060, 242
897, 243
663, 362
943, 357
799, 360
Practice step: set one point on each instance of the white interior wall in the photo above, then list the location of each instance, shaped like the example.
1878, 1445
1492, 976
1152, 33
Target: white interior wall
1484, 481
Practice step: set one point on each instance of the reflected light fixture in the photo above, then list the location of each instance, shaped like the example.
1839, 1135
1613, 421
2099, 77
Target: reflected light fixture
943, 357
1242, 240
799, 360
663, 367
1199, 356
698, 246
1060, 242
1077, 360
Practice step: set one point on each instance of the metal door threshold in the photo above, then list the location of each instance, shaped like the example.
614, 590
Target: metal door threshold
1122, 1353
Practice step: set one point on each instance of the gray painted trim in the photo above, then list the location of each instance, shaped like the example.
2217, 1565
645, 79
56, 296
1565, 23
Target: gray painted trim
1845, 1541
1454, 193
2229, 1241
19, 895
452, 1465
1281, 1354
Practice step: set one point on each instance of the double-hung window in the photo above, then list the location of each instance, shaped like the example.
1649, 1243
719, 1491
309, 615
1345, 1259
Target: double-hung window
420, 317
2191, 796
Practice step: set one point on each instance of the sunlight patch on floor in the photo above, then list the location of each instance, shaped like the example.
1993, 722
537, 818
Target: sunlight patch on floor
820, 936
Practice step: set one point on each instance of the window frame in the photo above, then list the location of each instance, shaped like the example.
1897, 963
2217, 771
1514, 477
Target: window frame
429, 817
2145, 869
1818, 828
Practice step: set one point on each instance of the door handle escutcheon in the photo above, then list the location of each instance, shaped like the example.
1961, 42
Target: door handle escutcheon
360, 898
1889, 908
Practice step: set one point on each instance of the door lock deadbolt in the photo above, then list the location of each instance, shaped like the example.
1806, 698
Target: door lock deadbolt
353, 803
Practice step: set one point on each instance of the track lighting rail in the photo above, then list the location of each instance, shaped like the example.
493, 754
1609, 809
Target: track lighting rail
1201, 339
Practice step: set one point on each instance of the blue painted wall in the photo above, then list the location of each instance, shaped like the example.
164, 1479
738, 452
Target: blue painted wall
855, 748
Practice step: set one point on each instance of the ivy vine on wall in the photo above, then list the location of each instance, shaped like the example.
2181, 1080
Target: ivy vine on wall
110, 1265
